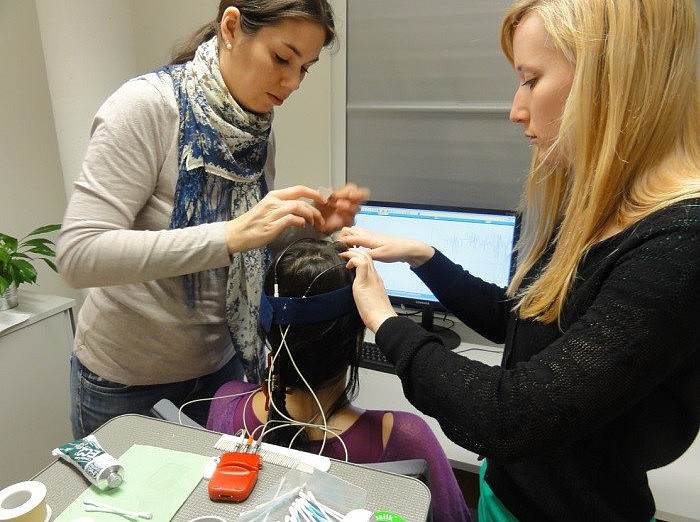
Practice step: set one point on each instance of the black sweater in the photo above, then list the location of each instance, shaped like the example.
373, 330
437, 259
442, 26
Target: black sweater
575, 415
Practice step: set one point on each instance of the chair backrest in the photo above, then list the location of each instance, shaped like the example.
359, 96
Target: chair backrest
166, 410
417, 468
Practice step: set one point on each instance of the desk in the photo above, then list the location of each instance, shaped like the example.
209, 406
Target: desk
676, 487
404, 495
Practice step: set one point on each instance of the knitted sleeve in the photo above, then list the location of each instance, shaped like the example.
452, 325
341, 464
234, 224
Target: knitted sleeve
487, 309
115, 229
630, 331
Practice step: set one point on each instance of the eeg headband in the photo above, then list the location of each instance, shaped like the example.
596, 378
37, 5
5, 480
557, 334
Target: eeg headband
305, 310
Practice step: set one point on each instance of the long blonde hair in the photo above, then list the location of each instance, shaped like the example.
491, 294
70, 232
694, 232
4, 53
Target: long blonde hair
630, 131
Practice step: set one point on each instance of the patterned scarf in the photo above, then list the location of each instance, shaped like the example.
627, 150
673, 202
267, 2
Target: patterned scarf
223, 150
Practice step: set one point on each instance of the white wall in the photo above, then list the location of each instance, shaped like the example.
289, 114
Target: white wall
88, 51
31, 184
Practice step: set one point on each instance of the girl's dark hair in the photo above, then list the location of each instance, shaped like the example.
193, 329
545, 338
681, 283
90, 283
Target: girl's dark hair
256, 14
323, 351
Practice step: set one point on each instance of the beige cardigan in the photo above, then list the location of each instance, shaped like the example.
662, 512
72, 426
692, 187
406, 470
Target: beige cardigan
135, 326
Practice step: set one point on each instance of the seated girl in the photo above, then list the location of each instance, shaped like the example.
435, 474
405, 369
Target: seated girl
305, 402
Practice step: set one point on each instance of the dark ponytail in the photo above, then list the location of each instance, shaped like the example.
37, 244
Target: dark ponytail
325, 352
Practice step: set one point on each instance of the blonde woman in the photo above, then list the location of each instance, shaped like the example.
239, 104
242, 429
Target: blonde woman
600, 376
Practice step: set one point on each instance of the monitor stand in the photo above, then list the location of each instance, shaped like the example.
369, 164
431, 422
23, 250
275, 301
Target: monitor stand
450, 338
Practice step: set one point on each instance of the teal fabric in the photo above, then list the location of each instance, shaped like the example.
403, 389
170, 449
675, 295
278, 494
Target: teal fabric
490, 508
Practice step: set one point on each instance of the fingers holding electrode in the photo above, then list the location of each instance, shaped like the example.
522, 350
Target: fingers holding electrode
277, 211
368, 289
341, 206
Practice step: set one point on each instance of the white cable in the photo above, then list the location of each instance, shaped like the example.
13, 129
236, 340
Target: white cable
293, 422
289, 421
283, 342
231, 396
245, 407
285, 424
318, 402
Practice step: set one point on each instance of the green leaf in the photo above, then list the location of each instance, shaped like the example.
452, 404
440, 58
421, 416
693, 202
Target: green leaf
16, 263
42, 250
38, 241
44, 229
26, 272
51, 264
4, 284
8, 242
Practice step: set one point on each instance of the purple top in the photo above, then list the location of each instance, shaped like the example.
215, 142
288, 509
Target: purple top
410, 438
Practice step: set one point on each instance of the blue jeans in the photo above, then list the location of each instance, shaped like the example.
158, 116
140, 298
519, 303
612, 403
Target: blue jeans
95, 400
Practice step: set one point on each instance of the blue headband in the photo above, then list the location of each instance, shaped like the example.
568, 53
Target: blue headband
305, 310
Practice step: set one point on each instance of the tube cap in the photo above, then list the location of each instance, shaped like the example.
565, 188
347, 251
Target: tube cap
114, 480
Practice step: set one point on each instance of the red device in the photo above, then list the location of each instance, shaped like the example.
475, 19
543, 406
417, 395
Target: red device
234, 477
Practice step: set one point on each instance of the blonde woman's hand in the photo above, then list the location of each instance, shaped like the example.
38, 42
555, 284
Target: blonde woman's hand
277, 211
340, 208
368, 289
388, 249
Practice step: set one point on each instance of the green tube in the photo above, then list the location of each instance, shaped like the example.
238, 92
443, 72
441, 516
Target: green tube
98, 466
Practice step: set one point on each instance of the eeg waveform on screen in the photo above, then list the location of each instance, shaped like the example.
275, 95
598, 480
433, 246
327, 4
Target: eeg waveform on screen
482, 247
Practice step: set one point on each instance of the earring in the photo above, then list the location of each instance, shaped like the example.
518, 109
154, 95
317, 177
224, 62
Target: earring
228, 45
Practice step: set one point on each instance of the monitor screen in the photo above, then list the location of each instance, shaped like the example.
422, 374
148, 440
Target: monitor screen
480, 240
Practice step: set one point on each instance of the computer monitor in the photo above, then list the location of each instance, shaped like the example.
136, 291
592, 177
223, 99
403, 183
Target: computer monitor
480, 240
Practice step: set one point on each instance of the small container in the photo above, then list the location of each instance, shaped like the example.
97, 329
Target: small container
98, 466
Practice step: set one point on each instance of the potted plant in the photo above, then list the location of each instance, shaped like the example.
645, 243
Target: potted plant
16, 261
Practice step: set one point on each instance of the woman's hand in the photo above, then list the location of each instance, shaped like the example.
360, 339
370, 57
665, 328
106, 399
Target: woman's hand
340, 208
388, 248
278, 210
368, 290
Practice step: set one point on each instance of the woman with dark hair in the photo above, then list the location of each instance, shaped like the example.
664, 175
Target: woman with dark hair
306, 402
171, 217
